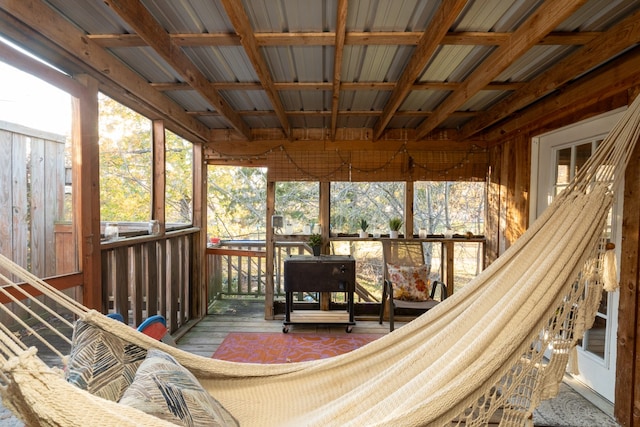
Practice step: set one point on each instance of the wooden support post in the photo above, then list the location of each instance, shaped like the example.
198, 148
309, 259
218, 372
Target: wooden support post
627, 393
200, 286
325, 225
86, 193
159, 184
447, 266
270, 248
408, 210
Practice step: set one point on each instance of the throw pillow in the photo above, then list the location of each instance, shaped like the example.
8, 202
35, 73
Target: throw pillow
409, 283
165, 389
102, 363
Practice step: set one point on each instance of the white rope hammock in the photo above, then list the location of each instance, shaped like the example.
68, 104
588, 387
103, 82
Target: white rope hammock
479, 353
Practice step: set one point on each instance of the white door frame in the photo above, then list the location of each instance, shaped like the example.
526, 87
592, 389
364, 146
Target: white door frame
596, 373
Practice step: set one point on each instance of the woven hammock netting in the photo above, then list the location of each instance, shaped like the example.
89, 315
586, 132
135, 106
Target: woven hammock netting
496, 348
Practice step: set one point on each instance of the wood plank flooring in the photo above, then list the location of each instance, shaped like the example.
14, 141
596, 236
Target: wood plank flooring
248, 316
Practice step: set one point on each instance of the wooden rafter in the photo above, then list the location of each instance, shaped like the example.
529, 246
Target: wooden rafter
136, 15
613, 78
358, 86
464, 38
341, 28
429, 42
325, 113
240, 22
616, 39
114, 78
547, 17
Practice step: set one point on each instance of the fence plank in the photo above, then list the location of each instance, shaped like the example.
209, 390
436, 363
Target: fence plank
37, 205
6, 204
19, 200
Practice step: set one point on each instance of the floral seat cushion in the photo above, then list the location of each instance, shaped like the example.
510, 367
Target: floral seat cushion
409, 283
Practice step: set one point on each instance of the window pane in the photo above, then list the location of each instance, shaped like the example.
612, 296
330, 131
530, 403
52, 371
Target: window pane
179, 167
125, 167
458, 206
236, 202
298, 203
376, 202
594, 338
583, 152
563, 166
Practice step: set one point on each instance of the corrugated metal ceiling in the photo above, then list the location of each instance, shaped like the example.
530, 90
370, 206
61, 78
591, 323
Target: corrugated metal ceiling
299, 70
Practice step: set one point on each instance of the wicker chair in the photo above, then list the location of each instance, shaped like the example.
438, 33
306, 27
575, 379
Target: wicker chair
405, 253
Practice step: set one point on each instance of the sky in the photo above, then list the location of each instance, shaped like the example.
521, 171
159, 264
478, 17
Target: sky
29, 101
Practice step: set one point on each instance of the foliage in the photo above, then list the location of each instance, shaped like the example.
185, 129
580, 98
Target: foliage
298, 202
125, 163
315, 240
364, 225
236, 202
459, 206
179, 189
395, 224
377, 201
126, 167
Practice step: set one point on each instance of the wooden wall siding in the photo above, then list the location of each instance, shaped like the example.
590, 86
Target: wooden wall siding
627, 395
361, 166
32, 178
508, 194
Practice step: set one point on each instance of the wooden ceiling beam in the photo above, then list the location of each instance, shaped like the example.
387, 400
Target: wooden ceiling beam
139, 18
464, 38
70, 49
240, 21
608, 81
540, 23
341, 28
442, 20
323, 113
325, 86
616, 39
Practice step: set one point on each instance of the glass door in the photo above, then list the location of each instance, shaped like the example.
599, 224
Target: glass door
557, 157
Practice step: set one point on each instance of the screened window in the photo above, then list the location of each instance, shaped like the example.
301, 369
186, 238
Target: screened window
236, 202
125, 167
375, 202
179, 176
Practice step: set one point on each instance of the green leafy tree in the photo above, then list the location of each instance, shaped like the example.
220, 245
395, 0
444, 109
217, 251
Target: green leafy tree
179, 169
125, 163
236, 201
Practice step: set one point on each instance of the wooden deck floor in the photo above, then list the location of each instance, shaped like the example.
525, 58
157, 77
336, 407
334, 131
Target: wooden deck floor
248, 316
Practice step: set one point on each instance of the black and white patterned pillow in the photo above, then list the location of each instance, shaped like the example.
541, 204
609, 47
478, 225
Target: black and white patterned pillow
102, 363
165, 389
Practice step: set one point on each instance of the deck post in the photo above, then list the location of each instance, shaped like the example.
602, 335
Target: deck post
86, 194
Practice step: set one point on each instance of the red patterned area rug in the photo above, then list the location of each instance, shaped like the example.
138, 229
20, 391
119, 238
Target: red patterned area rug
257, 347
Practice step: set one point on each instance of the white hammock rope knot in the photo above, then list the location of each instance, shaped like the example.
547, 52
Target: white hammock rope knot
479, 352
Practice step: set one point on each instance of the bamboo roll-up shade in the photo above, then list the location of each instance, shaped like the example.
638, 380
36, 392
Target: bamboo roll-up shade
369, 165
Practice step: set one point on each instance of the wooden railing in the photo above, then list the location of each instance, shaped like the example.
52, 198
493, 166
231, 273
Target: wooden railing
147, 275
237, 268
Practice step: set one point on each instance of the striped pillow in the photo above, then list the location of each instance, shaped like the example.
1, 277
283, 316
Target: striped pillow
165, 389
102, 363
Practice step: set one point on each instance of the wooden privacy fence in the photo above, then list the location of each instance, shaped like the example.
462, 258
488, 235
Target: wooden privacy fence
32, 192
